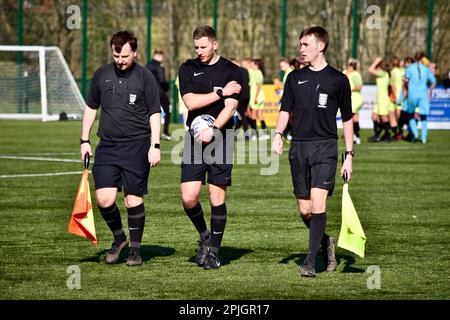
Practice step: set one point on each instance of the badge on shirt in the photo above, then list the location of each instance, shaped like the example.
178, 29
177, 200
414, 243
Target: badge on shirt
132, 98
323, 98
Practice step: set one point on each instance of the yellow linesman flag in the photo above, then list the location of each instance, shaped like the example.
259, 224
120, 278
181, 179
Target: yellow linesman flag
82, 221
352, 235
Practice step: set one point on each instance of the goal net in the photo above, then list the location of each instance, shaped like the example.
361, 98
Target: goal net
36, 83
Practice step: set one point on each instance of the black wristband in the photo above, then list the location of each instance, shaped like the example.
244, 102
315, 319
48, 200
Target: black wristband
278, 132
84, 141
352, 153
157, 146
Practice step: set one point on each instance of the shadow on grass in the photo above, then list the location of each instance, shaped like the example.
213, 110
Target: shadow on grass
347, 260
228, 254
147, 253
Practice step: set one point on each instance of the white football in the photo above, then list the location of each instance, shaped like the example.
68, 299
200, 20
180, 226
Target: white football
201, 122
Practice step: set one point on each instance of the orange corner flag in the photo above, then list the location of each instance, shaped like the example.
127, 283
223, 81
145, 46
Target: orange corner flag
82, 221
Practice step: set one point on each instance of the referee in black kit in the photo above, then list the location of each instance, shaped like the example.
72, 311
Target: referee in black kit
313, 96
209, 84
128, 96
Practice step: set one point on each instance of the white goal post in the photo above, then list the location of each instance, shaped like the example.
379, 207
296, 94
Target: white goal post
36, 83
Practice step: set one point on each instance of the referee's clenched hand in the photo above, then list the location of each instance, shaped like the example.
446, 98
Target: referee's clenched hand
154, 156
231, 88
85, 148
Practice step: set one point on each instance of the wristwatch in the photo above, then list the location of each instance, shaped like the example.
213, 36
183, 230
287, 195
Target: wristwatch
84, 141
278, 132
352, 153
157, 146
219, 92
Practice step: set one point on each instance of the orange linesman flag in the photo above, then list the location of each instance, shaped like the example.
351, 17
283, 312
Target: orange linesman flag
82, 221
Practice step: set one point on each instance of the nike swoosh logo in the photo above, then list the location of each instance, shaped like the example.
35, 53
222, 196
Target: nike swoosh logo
217, 232
327, 182
302, 82
133, 228
197, 74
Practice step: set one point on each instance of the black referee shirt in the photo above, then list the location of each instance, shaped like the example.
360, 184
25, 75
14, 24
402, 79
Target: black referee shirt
313, 99
127, 100
199, 78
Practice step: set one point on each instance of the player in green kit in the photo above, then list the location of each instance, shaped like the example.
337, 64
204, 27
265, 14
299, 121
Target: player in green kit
381, 110
356, 84
257, 96
396, 81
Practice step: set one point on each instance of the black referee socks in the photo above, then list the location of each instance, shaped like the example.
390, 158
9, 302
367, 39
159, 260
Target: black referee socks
316, 231
307, 222
218, 222
136, 223
112, 219
197, 218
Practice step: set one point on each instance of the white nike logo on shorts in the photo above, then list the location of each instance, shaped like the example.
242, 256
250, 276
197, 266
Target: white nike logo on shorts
197, 73
215, 232
302, 82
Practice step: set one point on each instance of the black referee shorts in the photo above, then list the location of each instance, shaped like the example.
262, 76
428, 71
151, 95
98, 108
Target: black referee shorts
124, 164
313, 165
215, 158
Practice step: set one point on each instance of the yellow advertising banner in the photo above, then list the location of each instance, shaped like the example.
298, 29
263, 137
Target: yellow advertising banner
272, 104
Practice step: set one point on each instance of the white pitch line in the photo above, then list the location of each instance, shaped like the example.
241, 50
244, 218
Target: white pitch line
39, 159
41, 174
50, 154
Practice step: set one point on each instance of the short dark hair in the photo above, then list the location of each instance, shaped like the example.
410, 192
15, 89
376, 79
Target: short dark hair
204, 31
158, 52
259, 63
381, 65
419, 55
395, 61
319, 32
408, 60
121, 38
295, 63
353, 63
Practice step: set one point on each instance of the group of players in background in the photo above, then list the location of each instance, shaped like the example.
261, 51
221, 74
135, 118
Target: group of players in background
403, 97
403, 94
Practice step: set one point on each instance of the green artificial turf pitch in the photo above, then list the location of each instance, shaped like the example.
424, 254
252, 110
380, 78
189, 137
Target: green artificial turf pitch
400, 190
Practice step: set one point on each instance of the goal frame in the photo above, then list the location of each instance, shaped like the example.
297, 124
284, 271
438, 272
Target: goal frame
44, 116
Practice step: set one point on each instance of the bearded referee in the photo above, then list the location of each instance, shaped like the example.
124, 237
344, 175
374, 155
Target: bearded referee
129, 141
313, 96
209, 84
